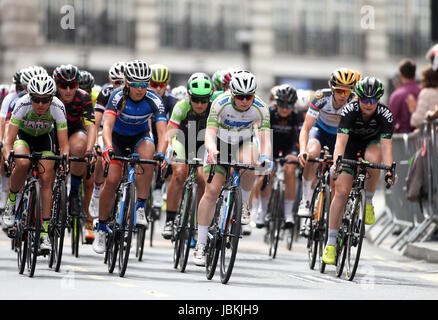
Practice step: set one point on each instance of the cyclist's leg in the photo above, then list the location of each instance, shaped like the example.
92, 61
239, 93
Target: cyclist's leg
248, 154
289, 190
78, 144
373, 153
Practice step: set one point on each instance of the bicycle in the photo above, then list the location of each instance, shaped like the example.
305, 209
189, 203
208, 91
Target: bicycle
77, 221
225, 230
58, 219
319, 208
121, 224
28, 214
275, 211
352, 230
184, 228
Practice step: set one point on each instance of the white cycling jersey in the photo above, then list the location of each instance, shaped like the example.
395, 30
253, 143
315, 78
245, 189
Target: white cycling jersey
234, 125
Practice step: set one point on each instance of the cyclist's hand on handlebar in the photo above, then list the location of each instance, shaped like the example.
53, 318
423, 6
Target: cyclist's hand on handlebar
159, 156
211, 156
390, 181
108, 154
302, 158
267, 163
90, 156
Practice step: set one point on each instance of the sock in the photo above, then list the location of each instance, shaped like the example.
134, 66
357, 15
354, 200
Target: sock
307, 190
332, 235
101, 226
170, 215
12, 198
97, 187
140, 203
245, 195
75, 183
202, 234
369, 197
255, 204
288, 205
46, 223
263, 205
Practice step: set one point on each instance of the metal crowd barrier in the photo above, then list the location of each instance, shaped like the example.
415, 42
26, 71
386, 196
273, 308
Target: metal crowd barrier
414, 221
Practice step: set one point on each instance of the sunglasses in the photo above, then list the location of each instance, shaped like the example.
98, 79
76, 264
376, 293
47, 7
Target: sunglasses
200, 100
368, 100
158, 84
137, 85
242, 97
43, 100
65, 85
284, 105
345, 92
118, 82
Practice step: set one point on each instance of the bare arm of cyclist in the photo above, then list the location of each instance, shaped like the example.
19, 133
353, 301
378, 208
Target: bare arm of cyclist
210, 143
309, 121
110, 119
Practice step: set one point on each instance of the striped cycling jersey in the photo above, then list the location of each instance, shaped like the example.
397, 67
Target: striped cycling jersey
234, 125
321, 108
27, 120
133, 118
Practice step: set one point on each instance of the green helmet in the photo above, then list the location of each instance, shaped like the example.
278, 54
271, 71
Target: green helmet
199, 85
370, 87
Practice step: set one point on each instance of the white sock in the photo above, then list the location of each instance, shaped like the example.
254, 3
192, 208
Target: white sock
202, 234
332, 235
288, 205
245, 195
255, 204
369, 197
263, 205
307, 190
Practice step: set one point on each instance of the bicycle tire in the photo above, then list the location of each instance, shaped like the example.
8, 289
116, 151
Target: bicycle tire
112, 248
214, 241
340, 248
126, 229
141, 235
75, 235
271, 220
323, 227
278, 217
180, 223
231, 235
35, 225
187, 236
59, 217
21, 236
312, 243
355, 235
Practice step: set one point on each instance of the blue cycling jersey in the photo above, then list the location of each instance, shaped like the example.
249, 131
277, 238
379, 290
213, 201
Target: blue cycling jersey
133, 119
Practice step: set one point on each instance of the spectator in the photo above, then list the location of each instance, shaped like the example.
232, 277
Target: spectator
428, 97
398, 102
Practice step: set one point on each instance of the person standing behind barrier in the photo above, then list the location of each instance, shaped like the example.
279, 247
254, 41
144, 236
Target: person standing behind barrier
398, 102
428, 97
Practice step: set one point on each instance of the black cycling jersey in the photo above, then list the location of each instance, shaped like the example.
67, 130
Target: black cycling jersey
285, 131
352, 123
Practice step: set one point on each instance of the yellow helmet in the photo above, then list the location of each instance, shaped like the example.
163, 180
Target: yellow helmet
345, 78
160, 73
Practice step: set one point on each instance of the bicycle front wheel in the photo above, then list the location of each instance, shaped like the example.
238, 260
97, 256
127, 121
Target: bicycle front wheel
312, 240
34, 225
277, 219
126, 228
187, 235
59, 218
180, 226
323, 227
231, 234
214, 242
356, 233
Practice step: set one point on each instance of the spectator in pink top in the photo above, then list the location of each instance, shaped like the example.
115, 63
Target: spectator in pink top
398, 101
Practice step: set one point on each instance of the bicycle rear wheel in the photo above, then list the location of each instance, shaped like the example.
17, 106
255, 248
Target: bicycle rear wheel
126, 228
59, 218
312, 240
214, 241
270, 228
21, 237
112, 248
231, 234
34, 225
141, 235
180, 225
75, 235
356, 233
278, 217
341, 247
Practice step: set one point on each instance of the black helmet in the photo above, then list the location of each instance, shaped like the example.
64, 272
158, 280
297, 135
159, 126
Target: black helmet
66, 73
286, 95
86, 81
370, 87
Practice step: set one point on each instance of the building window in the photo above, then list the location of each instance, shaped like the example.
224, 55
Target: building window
95, 23
199, 24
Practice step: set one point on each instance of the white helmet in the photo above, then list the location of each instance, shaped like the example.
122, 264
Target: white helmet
29, 72
116, 71
180, 92
243, 82
42, 85
137, 70
304, 99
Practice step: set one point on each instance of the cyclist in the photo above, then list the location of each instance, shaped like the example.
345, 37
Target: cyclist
190, 117
115, 75
31, 128
230, 127
320, 125
159, 82
180, 92
81, 134
127, 125
285, 124
366, 128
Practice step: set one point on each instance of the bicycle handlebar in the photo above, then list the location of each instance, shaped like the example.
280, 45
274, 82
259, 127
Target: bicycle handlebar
237, 166
135, 160
34, 157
